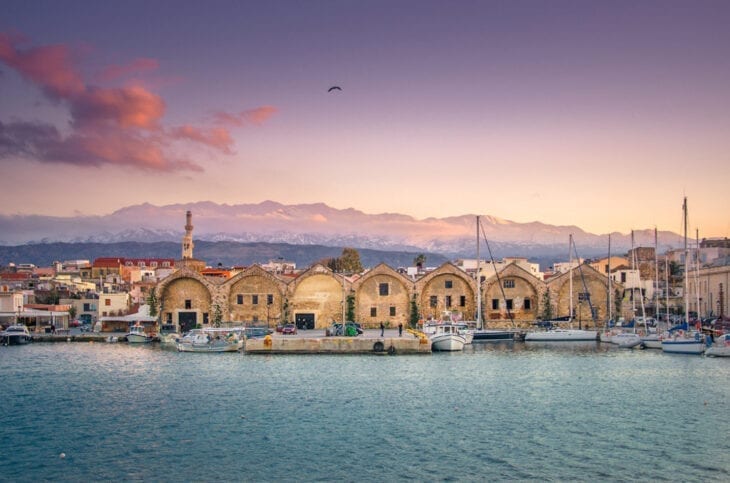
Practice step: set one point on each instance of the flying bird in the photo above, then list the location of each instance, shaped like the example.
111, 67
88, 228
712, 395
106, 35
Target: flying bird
334, 88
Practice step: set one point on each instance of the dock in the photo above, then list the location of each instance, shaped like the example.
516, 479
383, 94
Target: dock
338, 345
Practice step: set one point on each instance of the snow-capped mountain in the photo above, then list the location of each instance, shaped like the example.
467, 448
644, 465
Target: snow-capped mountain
309, 224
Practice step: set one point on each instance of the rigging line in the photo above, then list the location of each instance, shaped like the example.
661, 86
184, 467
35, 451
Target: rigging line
499, 281
585, 287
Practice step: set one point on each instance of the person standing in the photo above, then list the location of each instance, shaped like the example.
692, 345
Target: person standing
382, 329
400, 329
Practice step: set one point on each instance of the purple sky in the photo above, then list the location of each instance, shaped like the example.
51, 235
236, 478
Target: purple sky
598, 114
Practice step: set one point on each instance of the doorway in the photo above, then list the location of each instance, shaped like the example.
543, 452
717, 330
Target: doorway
304, 321
187, 321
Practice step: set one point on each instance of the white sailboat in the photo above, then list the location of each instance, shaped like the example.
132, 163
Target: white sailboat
480, 334
653, 340
629, 340
564, 335
685, 341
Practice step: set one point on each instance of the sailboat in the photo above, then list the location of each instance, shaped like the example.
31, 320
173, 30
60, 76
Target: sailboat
564, 335
480, 334
685, 341
653, 340
631, 339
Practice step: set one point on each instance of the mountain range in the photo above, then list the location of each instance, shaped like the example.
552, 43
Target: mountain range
321, 225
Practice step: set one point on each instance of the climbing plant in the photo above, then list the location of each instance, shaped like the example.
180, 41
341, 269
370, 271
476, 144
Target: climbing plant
415, 316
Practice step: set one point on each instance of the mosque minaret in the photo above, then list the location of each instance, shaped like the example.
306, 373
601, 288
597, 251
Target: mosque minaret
187, 244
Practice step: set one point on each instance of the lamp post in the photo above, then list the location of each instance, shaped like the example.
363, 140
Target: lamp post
344, 301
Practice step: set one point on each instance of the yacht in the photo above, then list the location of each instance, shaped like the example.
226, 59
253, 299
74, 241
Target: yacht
15, 334
445, 337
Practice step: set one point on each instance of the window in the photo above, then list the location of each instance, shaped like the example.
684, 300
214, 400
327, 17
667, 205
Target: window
623, 277
103, 314
188, 304
528, 304
269, 299
255, 299
462, 301
87, 307
392, 311
153, 264
584, 296
107, 302
205, 317
449, 284
448, 300
165, 264
239, 299
509, 304
495, 304
383, 289
169, 317
373, 312
433, 301
509, 283
255, 318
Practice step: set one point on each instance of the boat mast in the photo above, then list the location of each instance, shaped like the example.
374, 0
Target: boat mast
479, 282
608, 299
633, 283
697, 272
666, 285
686, 266
656, 274
570, 268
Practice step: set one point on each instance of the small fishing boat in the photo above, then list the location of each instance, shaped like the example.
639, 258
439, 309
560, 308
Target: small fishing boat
445, 337
212, 340
719, 348
137, 335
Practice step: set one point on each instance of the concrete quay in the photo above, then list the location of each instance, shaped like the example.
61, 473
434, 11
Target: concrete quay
364, 344
69, 337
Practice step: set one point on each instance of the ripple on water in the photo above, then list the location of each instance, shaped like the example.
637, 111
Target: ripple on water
494, 412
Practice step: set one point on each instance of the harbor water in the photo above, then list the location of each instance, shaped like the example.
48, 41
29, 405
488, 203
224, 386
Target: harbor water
514, 411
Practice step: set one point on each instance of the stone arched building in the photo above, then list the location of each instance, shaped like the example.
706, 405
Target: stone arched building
187, 299
382, 295
590, 290
446, 289
255, 295
315, 298
515, 292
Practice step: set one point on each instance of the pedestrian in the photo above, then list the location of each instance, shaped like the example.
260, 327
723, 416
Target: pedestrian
382, 329
53, 329
400, 329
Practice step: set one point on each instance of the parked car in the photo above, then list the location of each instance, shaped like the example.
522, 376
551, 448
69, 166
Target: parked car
289, 329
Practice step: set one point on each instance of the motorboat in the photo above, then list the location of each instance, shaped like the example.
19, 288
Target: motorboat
562, 335
445, 337
465, 331
15, 334
719, 348
137, 335
626, 340
212, 340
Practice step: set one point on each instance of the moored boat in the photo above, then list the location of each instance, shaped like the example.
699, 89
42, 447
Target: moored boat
486, 335
684, 343
445, 337
15, 334
137, 335
626, 340
720, 347
212, 340
562, 335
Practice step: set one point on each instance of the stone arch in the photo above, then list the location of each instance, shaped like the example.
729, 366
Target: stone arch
382, 295
597, 285
186, 299
448, 288
255, 296
316, 293
522, 294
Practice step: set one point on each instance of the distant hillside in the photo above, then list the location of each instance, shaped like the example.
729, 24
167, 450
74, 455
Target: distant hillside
225, 252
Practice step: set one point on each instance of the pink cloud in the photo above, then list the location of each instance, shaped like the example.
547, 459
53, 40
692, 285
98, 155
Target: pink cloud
110, 125
140, 65
128, 107
48, 66
217, 137
251, 116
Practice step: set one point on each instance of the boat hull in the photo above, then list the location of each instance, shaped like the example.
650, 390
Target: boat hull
718, 351
492, 335
211, 347
448, 342
626, 341
15, 339
651, 342
138, 338
560, 335
683, 346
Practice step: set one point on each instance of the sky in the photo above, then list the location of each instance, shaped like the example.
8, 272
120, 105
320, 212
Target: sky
602, 115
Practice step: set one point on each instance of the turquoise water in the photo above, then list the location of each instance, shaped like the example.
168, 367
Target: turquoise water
494, 412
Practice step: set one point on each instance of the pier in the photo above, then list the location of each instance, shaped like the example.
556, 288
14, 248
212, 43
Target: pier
338, 345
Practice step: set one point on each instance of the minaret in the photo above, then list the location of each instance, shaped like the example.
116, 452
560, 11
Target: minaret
187, 244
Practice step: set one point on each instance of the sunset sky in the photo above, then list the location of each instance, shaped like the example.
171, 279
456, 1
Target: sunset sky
596, 114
